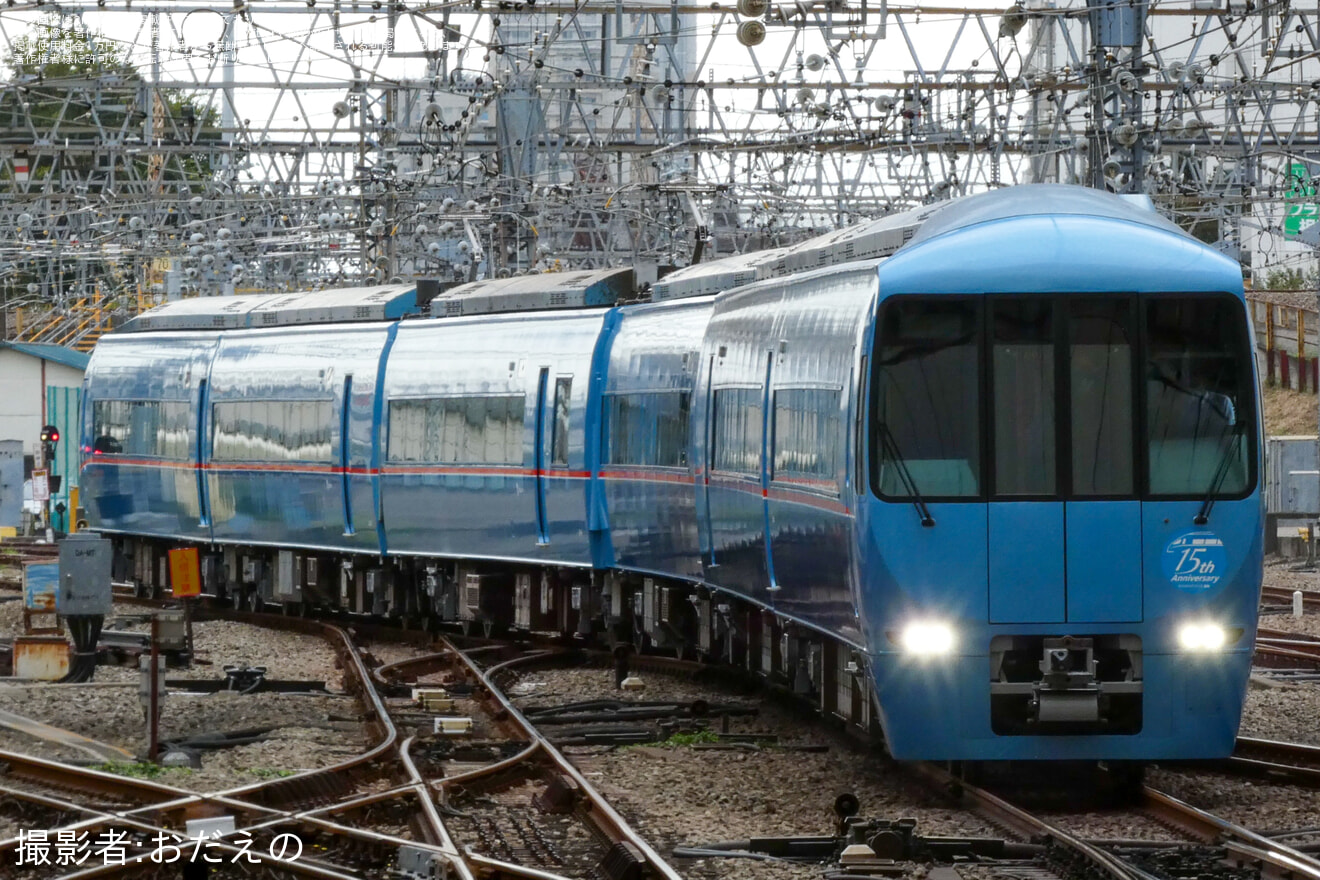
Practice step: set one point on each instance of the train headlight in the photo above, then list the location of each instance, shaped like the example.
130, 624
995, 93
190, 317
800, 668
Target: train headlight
1202, 637
927, 638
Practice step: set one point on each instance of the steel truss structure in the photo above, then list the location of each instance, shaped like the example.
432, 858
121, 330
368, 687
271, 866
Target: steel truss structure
274, 145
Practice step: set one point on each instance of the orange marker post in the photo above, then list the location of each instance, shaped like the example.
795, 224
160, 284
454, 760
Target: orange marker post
185, 573
186, 582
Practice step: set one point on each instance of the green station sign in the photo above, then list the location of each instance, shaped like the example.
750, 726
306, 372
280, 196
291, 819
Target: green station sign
1300, 214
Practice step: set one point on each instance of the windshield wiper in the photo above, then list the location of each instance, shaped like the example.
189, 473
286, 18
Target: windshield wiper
891, 450
1221, 472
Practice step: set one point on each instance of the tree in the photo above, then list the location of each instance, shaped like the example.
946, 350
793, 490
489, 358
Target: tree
1292, 279
86, 120
76, 85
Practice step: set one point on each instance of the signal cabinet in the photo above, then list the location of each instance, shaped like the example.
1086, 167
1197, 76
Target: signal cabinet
84, 576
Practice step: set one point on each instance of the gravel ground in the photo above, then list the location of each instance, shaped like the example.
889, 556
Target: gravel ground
1279, 573
684, 795
1285, 711
309, 730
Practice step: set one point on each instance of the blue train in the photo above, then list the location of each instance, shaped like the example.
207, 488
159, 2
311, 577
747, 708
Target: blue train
984, 476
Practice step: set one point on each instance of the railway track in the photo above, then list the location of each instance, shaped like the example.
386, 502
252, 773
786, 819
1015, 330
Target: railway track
521, 809
1205, 835
1283, 650
334, 809
1280, 762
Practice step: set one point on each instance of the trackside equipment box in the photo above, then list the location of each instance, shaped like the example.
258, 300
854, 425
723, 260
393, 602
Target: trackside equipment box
84, 576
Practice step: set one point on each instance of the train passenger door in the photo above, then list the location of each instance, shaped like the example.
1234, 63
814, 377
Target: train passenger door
1103, 513
203, 502
708, 427
539, 462
1064, 520
345, 420
1026, 513
767, 466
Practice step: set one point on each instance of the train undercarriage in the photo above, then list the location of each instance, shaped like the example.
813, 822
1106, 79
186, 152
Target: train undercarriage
618, 610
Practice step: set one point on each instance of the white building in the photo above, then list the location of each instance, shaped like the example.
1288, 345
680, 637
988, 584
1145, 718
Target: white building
27, 369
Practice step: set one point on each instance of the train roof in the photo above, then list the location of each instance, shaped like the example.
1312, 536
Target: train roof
527, 293
1036, 199
886, 236
384, 303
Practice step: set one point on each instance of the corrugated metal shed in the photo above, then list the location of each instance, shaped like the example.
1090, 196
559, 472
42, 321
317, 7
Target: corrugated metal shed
64, 411
55, 353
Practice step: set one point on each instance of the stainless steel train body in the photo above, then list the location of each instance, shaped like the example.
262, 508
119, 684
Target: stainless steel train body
994, 491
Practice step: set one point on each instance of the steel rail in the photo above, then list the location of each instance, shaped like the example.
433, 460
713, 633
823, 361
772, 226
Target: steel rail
1285, 860
1303, 644
492, 769
1261, 758
255, 800
597, 810
1310, 599
432, 826
270, 793
391, 673
501, 869
1275, 652
1015, 819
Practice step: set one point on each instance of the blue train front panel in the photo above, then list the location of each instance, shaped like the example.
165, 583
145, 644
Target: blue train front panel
140, 435
1068, 398
485, 437
289, 451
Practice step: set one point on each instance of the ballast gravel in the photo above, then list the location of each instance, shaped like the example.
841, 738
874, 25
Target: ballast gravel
307, 730
687, 795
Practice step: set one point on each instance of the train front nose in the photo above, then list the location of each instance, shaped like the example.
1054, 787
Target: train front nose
1044, 468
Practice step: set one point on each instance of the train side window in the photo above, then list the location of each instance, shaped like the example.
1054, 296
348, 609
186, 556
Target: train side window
1100, 341
807, 435
671, 428
271, 430
457, 430
559, 440
738, 426
157, 428
1022, 364
648, 428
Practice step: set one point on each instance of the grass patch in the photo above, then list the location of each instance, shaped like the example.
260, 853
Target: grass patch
143, 770
270, 772
691, 739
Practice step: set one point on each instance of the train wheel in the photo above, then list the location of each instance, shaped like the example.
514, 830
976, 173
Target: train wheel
254, 602
236, 597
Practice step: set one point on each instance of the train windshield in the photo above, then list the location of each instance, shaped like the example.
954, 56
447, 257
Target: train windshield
928, 387
1198, 397
1043, 397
